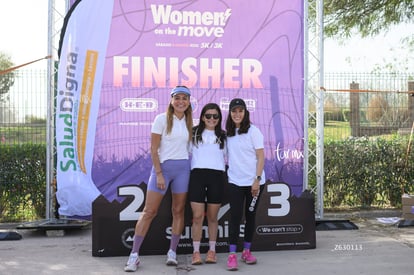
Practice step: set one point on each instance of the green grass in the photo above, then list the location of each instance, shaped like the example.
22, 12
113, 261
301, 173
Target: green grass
333, 130
341, 130
25, 133
336, 130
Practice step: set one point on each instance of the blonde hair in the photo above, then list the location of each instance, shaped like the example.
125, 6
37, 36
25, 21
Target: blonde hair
188, 118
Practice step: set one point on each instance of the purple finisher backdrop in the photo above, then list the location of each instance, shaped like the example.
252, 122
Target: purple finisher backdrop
118, 62
221, 50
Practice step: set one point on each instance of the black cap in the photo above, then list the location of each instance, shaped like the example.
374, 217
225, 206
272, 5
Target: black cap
237, 102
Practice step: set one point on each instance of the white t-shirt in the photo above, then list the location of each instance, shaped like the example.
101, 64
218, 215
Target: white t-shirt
174, 145
242, 156
207, 154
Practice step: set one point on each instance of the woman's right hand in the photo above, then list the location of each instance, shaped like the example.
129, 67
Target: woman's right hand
160, 181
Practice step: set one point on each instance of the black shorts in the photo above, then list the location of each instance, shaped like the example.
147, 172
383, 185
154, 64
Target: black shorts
206, 185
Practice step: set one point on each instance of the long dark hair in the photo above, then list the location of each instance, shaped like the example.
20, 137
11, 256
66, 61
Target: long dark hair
198, 130
244, 125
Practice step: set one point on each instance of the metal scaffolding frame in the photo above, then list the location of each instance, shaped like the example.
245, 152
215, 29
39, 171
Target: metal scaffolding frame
314, 77
56, 15
313, 83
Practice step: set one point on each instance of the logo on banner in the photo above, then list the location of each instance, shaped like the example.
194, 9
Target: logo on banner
127, 237
190, 23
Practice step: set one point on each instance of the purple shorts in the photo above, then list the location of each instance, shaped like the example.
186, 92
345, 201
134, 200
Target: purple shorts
176, 173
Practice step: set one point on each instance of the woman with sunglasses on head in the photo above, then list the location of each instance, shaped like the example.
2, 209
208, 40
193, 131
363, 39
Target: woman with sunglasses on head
170, 142
245, 145
207, 178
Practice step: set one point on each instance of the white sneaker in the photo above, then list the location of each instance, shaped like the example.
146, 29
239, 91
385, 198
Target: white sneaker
133, 262
171, 258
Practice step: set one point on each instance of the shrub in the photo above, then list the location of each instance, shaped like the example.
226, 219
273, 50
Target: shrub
362, 172
22, 182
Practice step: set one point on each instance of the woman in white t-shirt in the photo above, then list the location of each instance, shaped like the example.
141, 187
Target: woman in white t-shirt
171, 135
207, 178
245, 144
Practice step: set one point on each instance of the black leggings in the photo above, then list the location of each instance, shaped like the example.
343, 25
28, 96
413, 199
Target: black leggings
241, 197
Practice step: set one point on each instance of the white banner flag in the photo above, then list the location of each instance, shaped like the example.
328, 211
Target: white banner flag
80, 73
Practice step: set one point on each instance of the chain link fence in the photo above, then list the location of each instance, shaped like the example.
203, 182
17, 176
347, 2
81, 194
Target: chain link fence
363, 104
23, 108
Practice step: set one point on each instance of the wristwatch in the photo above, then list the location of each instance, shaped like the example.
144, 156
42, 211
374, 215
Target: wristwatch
259, 178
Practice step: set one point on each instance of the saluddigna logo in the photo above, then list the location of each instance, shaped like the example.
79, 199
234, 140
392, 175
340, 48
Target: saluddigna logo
191, 23
66, 105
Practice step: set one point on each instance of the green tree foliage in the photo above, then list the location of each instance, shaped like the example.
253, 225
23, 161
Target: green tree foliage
6, 80
367, 17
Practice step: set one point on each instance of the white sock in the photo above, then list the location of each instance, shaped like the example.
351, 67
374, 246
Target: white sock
212, 245
196, 246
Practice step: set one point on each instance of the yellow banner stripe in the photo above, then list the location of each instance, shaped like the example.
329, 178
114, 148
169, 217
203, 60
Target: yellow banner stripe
85, 102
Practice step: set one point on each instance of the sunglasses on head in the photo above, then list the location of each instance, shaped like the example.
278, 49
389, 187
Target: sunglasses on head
208, 116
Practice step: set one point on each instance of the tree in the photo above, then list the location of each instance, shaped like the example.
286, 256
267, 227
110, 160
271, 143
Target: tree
401, 59
377, 108
6, 79
367, 17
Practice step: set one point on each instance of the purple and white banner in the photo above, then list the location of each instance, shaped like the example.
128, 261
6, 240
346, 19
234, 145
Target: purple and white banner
119, 60
81, 66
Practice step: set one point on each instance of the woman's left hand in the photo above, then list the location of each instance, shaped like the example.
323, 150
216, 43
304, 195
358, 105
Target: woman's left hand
255, 188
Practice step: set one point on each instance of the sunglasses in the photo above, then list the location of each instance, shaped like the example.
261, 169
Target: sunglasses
208, 116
